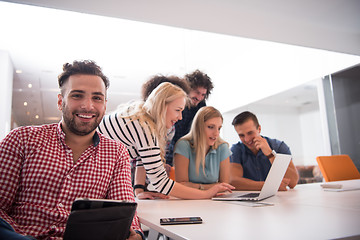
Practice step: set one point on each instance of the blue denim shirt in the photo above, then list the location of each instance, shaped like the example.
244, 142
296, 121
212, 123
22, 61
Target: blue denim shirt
256, 167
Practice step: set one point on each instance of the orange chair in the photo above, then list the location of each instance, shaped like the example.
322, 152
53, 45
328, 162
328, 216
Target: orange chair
337, 168
172, 173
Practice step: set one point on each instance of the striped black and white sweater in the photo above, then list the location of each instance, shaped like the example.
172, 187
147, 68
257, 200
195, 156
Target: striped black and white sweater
142, 146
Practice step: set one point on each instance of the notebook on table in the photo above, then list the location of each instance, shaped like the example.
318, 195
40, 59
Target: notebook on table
271, 184
339, 186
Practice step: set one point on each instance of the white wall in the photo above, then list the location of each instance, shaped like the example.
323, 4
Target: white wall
279, 123
299, 128
312, 136
6, 80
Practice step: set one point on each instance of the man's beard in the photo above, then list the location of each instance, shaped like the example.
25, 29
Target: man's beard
194, 102
80, 129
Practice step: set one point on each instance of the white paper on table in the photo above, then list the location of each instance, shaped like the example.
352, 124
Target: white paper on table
339, 186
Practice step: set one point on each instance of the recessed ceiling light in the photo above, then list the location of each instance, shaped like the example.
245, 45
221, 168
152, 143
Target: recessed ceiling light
18, 71
25, 104
29, 85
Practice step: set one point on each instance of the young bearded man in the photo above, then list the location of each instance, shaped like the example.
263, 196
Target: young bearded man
252, 158
45, 168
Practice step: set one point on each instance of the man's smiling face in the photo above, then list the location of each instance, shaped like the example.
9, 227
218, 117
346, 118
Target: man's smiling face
247, 132
83, 103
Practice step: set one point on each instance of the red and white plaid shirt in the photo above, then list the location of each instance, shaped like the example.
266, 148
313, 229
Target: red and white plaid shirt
39, 179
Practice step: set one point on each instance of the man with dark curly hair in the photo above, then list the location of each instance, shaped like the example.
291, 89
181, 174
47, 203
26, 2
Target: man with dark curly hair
201, 87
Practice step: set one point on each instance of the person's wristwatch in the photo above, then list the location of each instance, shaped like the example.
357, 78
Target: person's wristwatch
141, 234
141, 186
272, 154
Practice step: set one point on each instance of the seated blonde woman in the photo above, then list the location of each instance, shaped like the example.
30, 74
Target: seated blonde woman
201, 157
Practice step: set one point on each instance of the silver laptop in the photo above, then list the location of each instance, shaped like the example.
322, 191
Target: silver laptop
271, 184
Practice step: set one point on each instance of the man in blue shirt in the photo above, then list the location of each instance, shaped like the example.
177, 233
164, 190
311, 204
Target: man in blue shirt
252, 158
201, 86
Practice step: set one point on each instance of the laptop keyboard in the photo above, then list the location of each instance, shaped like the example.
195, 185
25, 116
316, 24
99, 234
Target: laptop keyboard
249, 195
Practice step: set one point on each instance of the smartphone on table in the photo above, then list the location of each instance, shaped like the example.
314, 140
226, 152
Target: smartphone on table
180, 220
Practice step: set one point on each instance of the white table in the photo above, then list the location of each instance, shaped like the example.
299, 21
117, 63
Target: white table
306, 212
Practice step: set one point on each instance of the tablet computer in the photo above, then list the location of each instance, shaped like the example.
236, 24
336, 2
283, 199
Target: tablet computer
106, 219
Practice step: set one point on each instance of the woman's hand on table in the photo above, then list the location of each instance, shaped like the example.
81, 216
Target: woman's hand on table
220, 189
151, 195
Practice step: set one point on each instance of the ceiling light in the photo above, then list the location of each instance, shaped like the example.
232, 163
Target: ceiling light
52, 118
29, 85
18, 71
37, 116
25, 104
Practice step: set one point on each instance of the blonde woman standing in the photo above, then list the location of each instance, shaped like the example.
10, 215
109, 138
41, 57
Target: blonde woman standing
202, 157
142, 128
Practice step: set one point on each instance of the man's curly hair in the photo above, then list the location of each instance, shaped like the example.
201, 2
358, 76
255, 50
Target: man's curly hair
199, 79
81, 67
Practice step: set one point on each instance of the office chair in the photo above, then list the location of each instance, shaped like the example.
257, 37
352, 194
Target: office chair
337, 168
172, 173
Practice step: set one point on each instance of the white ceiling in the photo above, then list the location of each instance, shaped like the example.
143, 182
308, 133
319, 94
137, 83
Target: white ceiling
40, 41
325, 24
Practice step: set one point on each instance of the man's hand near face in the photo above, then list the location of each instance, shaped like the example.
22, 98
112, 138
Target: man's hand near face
262, 144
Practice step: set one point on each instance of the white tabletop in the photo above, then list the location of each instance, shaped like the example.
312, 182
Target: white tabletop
306, 212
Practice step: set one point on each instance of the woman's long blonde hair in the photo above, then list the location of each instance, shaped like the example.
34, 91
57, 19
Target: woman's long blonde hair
152, 112
197, 137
